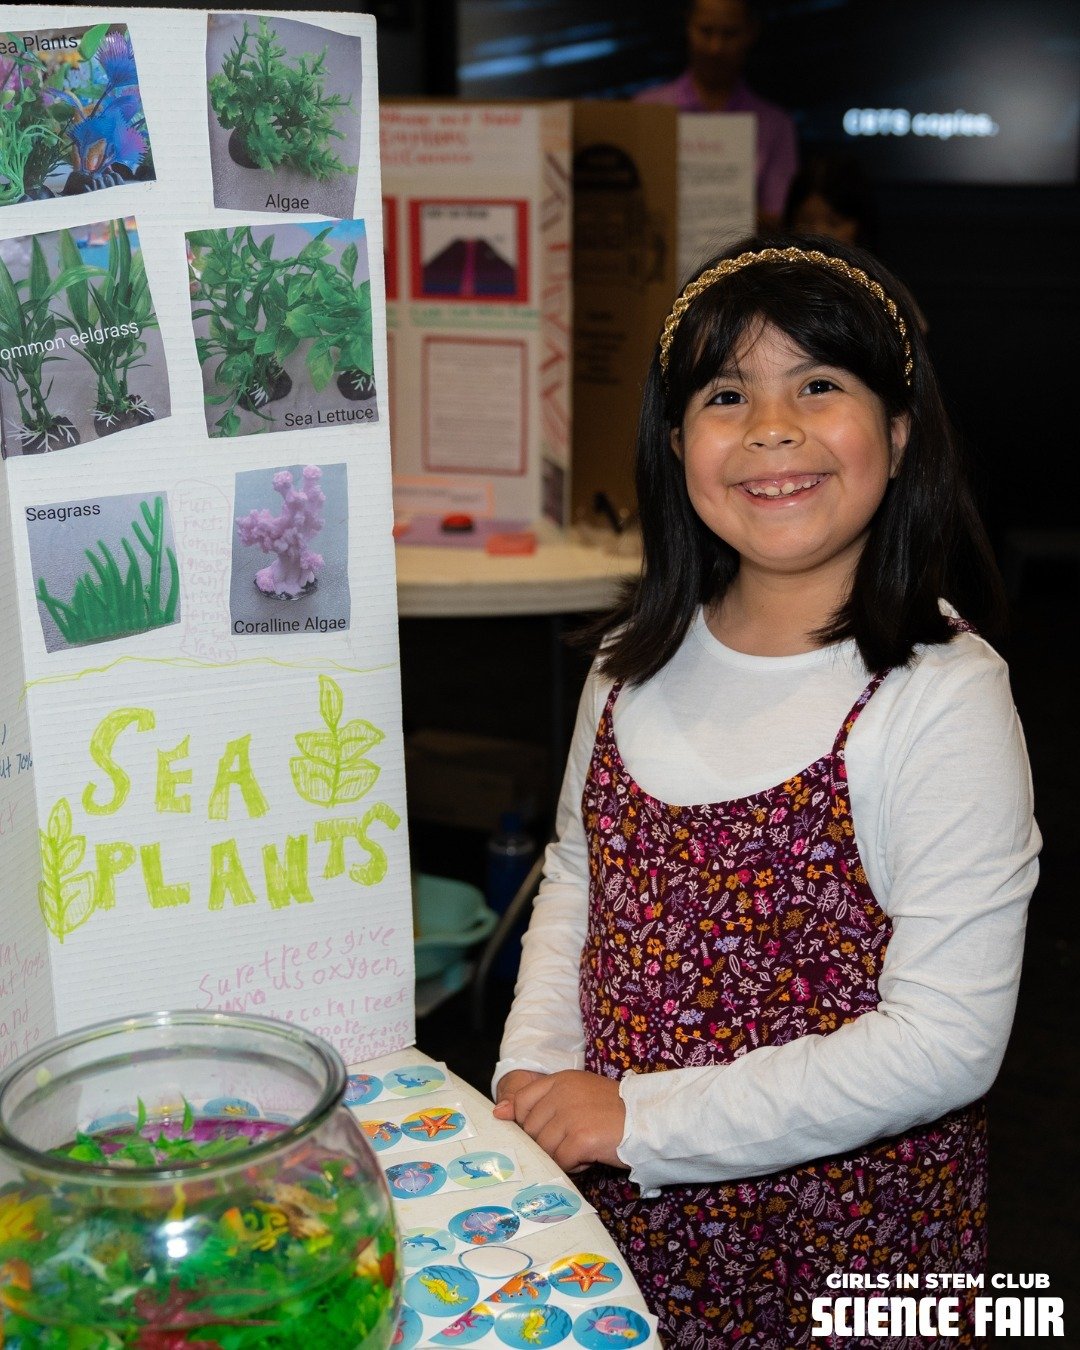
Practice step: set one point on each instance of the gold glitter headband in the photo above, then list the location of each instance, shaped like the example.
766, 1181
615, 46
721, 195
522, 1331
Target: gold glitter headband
730, 265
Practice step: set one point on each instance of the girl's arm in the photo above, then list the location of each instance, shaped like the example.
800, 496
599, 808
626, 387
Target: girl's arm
543, 1031
958, 850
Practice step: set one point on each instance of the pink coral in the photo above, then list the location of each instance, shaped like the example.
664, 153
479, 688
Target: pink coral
294, 569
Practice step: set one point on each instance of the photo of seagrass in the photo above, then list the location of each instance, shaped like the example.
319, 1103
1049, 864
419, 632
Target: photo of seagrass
71, 116
290, 551
282, 320
103, 568
81, 355
283, 102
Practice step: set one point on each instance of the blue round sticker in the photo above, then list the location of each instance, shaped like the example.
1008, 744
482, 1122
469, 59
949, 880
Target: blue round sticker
408, 1082
441, 1291
230, 1106
437, 1122
527, 1328
546, 1203
408, 1180
409, 1330
419, 1246
486, 1223
480, 1169
608, 1325
380, 1134
361, 1088
585, 1275
469, 1327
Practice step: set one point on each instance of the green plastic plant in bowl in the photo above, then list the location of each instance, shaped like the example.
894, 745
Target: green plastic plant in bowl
114, 309
279, 114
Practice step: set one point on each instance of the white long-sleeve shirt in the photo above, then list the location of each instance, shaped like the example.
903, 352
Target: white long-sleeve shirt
941, 800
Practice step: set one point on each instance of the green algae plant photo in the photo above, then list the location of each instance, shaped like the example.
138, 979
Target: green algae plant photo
71, 115
103, 568
283, 326
284, 114
81, 355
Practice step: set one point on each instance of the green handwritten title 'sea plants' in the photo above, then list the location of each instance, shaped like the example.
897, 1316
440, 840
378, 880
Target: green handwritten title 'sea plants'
106, 604
338, 317
279, 114
65, 895
331, 768
115, 308
29, 339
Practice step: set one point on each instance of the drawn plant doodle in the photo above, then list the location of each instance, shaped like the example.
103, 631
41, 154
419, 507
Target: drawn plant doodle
331, 769
66, 897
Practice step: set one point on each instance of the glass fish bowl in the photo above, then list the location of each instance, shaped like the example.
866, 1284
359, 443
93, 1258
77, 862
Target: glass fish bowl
190, 1181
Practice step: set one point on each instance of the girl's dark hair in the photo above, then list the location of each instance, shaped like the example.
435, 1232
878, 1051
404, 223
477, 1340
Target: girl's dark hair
926, 540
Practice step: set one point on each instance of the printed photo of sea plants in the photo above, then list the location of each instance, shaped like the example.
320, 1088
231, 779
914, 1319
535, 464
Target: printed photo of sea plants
290, 551
71, 117
104, 568
282, 318
284, 112
81, 355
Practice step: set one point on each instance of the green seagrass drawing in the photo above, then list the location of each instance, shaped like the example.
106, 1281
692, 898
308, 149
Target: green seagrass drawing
331, 769
65, 894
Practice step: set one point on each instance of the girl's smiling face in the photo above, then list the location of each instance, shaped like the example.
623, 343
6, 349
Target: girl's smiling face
787, 458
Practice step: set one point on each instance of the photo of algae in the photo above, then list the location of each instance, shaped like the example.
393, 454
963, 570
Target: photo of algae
71, 116
284, 112
81, 356
282, 319
103, 568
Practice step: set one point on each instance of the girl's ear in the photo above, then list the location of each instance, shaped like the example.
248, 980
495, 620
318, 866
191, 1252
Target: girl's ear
899, 430
676, 442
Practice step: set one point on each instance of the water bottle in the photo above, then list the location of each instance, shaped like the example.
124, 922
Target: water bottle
510, 853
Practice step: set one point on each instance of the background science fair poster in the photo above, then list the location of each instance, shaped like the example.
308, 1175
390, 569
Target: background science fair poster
201, 773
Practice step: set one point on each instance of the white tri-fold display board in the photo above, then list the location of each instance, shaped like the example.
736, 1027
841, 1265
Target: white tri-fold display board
201, 771
478, 267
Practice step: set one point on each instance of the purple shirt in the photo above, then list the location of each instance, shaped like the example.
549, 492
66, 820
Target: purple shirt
777, 155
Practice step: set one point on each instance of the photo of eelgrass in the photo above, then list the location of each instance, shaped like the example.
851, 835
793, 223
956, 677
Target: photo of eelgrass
132, 583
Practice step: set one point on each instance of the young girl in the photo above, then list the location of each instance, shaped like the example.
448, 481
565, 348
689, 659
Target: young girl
761, 1027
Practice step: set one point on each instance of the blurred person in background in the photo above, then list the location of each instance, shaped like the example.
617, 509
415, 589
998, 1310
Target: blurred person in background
719, 35
830, 195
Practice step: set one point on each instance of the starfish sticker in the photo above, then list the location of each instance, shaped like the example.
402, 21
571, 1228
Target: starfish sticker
434, 1122
585, 1276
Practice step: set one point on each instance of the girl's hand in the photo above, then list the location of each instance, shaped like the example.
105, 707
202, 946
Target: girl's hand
509, 1085
577, 1118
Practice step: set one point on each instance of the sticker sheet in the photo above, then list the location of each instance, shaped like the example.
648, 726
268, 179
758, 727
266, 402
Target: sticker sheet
201, 769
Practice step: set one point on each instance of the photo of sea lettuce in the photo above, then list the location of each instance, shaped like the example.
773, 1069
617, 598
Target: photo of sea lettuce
284, 114
81, 355
71, 116
282, 319
103, 568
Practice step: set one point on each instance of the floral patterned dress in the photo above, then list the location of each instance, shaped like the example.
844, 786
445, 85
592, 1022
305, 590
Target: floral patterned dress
716, 929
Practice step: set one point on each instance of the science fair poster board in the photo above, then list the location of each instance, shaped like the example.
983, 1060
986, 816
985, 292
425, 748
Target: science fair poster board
477, 214
201, 772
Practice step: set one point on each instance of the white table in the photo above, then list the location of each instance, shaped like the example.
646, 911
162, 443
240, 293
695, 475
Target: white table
569, 573
584, 1232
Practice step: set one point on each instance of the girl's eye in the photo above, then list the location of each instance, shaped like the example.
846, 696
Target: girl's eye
726, 397
821, 386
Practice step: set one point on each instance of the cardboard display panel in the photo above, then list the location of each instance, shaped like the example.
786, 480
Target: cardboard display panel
201, 766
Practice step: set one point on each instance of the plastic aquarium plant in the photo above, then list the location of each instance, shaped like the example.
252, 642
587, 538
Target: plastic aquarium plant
99, 113
28, 339
30, 147
337, 316
279, 114
287, 535
107, 604
116, 304
251, 301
